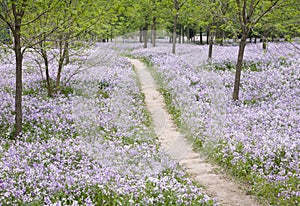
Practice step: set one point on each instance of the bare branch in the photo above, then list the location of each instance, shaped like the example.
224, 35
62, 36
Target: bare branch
238, 2
244, 14
253, 8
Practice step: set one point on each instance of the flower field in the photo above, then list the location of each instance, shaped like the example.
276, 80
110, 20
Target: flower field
92, 144
256, 138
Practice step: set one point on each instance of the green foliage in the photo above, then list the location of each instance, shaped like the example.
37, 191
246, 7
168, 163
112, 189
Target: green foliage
252, 101
170, 106
102, 89
247, 66
67, 90
4, 34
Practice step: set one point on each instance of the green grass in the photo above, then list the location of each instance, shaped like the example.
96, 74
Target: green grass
229, 66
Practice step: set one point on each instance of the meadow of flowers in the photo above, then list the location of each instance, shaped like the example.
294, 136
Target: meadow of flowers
91, 144
256, 138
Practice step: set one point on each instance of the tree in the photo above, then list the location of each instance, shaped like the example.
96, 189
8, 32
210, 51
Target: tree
211, 18
17, 15
249, 13
68, 22
178, 4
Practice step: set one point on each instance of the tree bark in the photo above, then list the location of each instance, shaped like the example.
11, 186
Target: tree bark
179, 39
67, 58
193, 35
222, 38
141, 35
264, 43
154, 32
210, 48
19, 83
201, 36
207, 35
48, 80
62, 57
239, 64
46, 63
183, 30
174, 33
145, 36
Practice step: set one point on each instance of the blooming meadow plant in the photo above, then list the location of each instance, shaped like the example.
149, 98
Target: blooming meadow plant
258, 137
91, 146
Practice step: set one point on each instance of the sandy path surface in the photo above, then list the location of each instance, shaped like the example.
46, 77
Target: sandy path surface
173, 142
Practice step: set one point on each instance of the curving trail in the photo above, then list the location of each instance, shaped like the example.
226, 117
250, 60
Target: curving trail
216, 185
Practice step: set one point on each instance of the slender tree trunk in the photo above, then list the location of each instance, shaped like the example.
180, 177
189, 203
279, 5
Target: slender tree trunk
141, 35
154, 32
211, 42
207, 35
19, 83
179, 39
188, 34
222, 38
201, 36
67, 58
239, 64
60, 65
174, 33
183, 30
46, 63
62, 57
48, 79
145, 36
264, 41
194, 35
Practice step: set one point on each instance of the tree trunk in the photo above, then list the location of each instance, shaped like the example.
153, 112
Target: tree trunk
141, 35
194, 35
145, 36
188, 34
183, 30
46, 63
210, 48
201, 36
174, 33
239, 64
67, 58
48, 79
179, 39
154, 32
264, 41
207, 35
19, 83
62, 57
222, 38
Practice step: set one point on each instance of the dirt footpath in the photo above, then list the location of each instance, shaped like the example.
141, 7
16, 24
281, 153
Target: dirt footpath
217, 186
